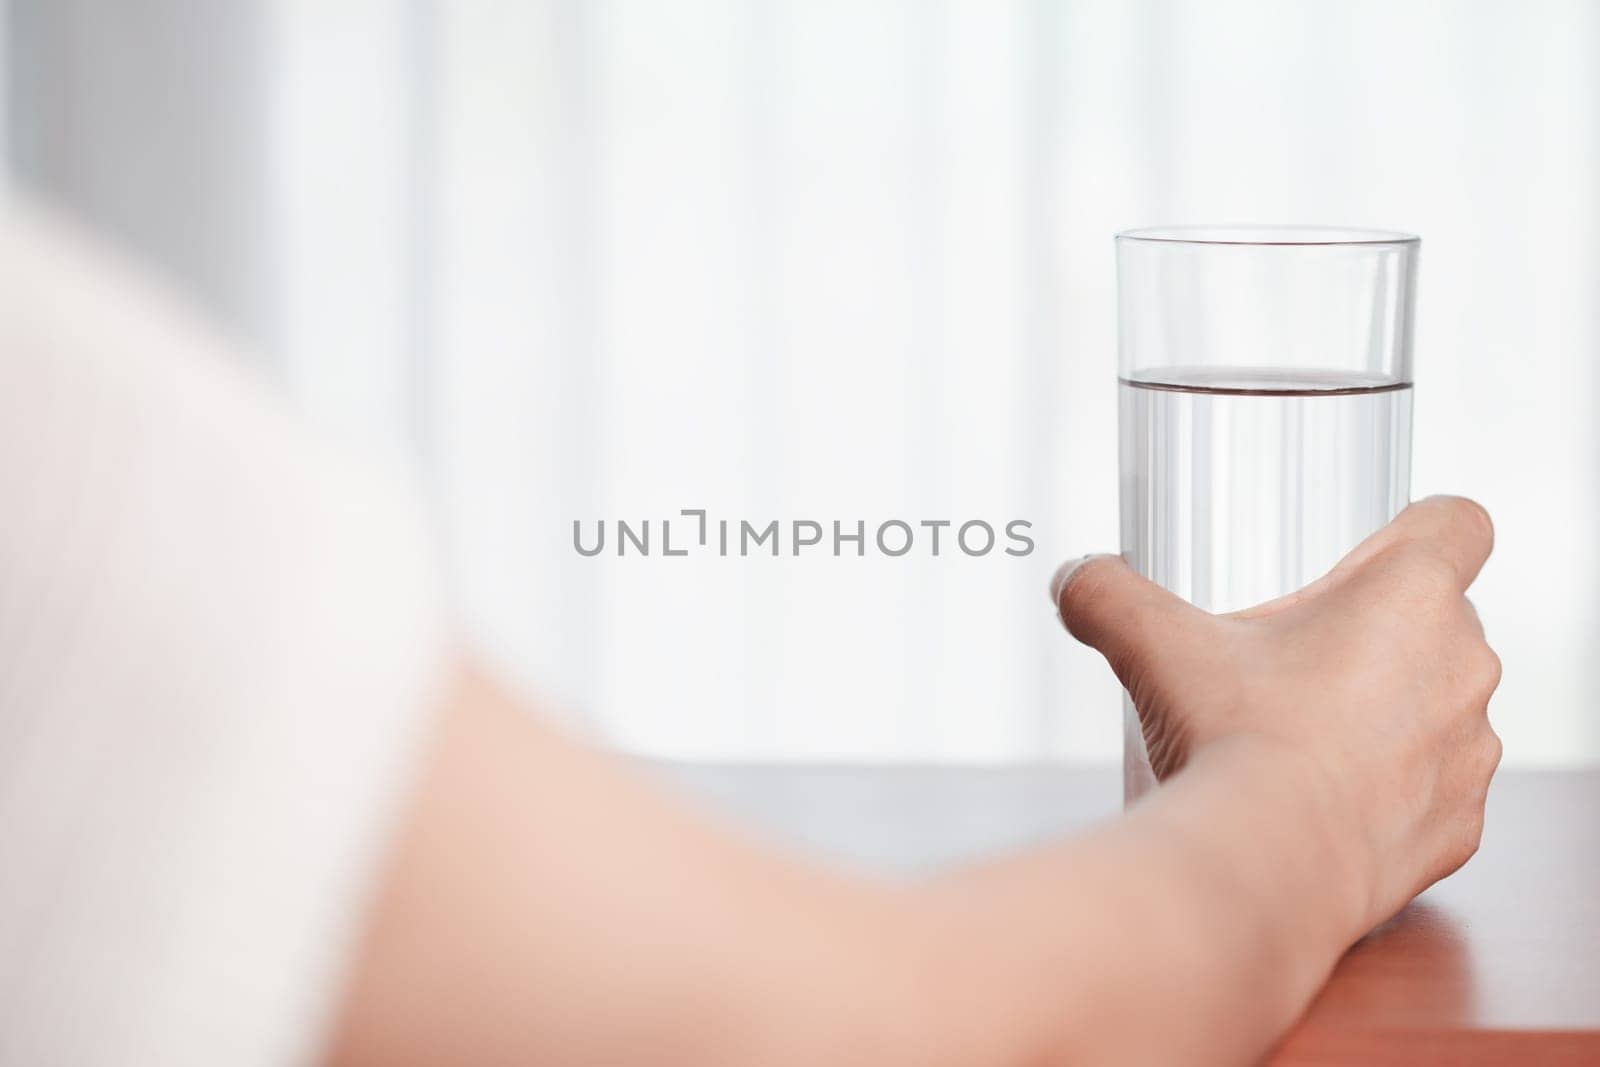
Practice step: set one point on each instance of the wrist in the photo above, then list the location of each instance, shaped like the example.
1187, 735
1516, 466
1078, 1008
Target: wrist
1327, 835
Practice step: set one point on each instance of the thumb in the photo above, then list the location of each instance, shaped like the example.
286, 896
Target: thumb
1124, 617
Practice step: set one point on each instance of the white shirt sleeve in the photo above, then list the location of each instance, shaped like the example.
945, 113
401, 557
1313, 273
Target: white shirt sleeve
218, 643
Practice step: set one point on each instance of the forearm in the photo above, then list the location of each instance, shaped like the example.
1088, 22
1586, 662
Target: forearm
1194, 930
546, 904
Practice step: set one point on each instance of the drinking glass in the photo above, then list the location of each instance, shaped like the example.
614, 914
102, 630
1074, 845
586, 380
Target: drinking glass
1264, 410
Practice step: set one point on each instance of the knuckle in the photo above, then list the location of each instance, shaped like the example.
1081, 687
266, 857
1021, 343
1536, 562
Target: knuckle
1494, 748
1465, 835
1487, 671
1472, 834
1460, 845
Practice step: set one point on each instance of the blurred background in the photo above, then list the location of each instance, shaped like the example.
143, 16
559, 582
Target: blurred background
836, 260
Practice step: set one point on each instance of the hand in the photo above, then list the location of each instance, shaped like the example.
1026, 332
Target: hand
1375, 679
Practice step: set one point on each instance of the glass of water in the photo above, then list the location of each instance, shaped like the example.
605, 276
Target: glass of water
1264, 394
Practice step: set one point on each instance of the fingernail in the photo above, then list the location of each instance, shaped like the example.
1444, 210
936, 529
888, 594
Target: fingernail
1059, 581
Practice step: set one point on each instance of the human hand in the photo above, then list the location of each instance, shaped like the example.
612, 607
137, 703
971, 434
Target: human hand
1375, 679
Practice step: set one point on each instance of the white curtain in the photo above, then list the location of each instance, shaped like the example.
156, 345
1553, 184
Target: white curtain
838, 260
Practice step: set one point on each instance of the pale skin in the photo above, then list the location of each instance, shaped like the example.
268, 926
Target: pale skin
1324, 758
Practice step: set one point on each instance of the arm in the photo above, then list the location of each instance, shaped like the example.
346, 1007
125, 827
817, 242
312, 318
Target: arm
547, 905
1326, 757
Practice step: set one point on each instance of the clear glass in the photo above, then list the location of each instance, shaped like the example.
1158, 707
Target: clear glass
1264, 394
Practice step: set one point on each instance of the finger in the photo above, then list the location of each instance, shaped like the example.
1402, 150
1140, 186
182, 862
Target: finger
1374, 544
1108, 607
1453, 524
1457, 530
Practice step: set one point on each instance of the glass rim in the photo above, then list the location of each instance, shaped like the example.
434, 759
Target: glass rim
1269, 236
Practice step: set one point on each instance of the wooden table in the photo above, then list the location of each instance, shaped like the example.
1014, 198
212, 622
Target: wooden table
1498, 964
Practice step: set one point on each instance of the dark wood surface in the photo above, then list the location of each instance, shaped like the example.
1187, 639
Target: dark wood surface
1500, 963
